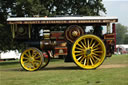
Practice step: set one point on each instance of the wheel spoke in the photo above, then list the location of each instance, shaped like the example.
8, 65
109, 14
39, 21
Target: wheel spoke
77, 51
85, 61
96, 58
98, 51
83, 44
26, 61
25, 58
34, 54
36, 64
88, 43
95, 54
79, 48
37, 61
29, 54
79, 58
37, 57
96, 45
91, 61
26, 55
79, 54
27, 65
80, 45
92, 58
33, 64
85, 41
95, 49
82, 59
91, 42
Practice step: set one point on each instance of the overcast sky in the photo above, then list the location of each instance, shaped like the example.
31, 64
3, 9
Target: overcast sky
118, 8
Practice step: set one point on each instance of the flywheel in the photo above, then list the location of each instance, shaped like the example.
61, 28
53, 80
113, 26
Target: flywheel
73, 32
88, 51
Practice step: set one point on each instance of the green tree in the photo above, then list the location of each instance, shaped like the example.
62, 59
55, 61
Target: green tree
28, 8
126, 39
121, 31
5, 38
58, 7
74, 7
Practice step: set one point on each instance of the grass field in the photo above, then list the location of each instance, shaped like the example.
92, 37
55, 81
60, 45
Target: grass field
114, 71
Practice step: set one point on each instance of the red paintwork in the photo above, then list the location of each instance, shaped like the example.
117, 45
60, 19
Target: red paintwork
45, 55
114, 31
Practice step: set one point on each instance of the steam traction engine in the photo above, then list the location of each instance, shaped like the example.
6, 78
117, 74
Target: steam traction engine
78, 39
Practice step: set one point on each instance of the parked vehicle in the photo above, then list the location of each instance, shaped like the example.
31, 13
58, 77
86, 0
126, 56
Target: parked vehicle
10, 55
122, 49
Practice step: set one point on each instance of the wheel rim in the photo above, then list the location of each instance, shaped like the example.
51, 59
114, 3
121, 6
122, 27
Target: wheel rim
88, 51
31, 59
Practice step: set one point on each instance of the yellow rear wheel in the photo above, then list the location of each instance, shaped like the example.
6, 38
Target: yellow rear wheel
88, 51
32, 59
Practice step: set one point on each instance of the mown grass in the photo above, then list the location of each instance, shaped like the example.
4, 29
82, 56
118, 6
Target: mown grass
117, 59
60, 73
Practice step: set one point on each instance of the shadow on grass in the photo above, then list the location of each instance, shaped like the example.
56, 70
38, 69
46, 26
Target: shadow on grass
47, 68
61, 68
9, 62
56, 60
44, 69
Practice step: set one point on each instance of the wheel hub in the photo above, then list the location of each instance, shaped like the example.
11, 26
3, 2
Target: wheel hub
31, 59
88, 52
75, 33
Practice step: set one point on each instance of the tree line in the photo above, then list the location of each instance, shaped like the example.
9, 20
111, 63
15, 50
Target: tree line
121, 34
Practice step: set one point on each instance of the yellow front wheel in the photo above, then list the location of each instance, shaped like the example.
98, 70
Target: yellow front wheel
88, 51
32, 59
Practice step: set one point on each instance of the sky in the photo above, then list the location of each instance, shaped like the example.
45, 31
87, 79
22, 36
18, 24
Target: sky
118, 8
